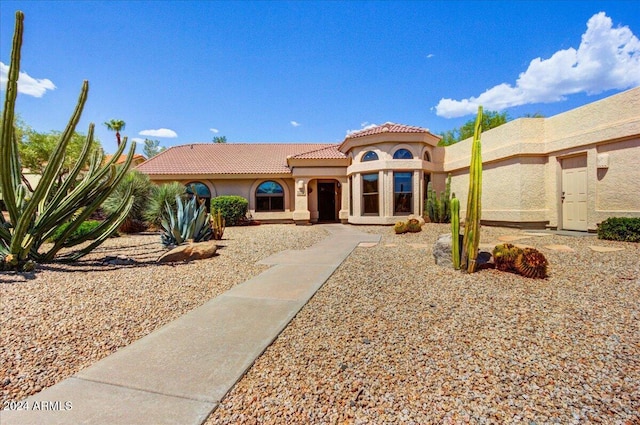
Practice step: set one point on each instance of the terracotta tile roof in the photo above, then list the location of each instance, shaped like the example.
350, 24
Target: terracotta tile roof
388, 127
137, 158
327, 152
229, 158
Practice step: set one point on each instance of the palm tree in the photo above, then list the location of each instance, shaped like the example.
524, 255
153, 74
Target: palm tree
116, 125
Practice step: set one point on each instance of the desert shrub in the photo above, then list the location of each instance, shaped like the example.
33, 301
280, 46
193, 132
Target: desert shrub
160, 195
233, 208
85, 228
620, 229
141, 186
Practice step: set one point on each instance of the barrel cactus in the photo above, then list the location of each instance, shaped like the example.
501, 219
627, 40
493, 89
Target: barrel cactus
532, 263
504, 257
413, 225
400, 227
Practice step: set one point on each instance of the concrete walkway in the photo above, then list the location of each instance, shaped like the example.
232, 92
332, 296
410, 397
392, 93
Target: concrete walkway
180, 373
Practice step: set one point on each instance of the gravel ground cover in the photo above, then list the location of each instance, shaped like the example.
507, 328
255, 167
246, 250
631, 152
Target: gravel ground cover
66, 317
393, 338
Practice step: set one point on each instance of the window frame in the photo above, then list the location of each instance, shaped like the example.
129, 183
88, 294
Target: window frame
404, 193
375, 195
364, 158
270, 197
402, 150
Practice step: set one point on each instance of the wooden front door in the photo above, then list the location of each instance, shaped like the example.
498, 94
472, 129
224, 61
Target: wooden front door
574, 193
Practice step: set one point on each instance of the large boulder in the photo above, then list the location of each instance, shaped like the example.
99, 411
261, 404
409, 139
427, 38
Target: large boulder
442, 251
443, 257
190, 252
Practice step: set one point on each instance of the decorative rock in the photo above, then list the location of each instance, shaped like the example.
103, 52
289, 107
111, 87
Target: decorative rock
190, 252
442, 251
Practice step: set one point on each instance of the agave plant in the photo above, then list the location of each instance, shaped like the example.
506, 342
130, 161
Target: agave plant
189, 221
35, 216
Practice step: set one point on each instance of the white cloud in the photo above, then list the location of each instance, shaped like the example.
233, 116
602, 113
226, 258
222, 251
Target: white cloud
607, 59
26, 84
363, 126
161, 132
137, 139
214, 130
295, 123
430, 55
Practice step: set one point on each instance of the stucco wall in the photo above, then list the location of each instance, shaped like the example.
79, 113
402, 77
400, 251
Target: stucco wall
522, 163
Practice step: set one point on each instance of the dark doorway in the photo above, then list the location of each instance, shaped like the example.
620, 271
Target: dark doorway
327, 201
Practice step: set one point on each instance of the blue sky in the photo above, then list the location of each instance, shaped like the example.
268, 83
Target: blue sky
312, 71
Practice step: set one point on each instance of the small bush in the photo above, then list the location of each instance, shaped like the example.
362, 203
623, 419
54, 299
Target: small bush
233, 208
620, 229
142, 189
84, 228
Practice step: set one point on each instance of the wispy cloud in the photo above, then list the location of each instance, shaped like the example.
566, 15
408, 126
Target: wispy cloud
26, 84
214, 130
137, 139
430, 55
607, 59
295, 123
363, 126
161, 132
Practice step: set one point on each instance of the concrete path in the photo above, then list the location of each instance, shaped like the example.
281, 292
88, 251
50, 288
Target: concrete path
180, 373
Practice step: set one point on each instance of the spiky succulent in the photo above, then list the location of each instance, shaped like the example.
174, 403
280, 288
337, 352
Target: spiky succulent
504, 257
400, 227
532, 263
413, 225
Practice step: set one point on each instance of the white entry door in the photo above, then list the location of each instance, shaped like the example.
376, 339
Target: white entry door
574, 193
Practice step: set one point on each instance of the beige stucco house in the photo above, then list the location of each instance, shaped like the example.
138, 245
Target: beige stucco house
569, 171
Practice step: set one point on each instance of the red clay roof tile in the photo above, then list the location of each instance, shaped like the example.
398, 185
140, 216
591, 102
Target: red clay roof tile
388, 127
232, 158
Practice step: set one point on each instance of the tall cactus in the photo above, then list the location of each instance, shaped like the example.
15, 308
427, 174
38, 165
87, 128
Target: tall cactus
455, 231
474, 205
34, 217
438, 208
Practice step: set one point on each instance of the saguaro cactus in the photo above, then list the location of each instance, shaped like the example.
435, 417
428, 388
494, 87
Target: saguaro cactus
474, 204
35, 216
455, 231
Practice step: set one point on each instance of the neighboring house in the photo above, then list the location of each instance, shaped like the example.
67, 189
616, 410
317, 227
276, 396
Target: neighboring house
137, 159
569, 171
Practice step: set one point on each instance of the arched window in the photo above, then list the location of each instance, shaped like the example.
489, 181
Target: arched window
369, 156
402, 154
200, 189
269, 197
427, 156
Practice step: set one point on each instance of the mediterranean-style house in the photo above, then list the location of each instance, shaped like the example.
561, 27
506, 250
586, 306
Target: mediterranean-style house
569, 171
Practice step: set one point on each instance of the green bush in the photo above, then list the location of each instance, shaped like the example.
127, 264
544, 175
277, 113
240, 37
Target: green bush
141, 186
161, 194
85, 228
233, 208
620, 229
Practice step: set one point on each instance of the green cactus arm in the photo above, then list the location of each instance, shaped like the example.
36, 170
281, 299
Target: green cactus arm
117, 222
455, 232
48, 176
66, 185
8, 151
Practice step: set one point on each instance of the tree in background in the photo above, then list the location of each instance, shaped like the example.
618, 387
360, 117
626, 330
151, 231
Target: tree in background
152, 148
220, 139
116, 125
36, 149
490, 119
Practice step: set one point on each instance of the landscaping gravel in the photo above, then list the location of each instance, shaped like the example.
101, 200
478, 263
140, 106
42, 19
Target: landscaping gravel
393, 338
390, 338
66, 317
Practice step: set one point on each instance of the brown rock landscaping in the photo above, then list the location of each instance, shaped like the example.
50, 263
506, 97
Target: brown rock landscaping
389, 338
